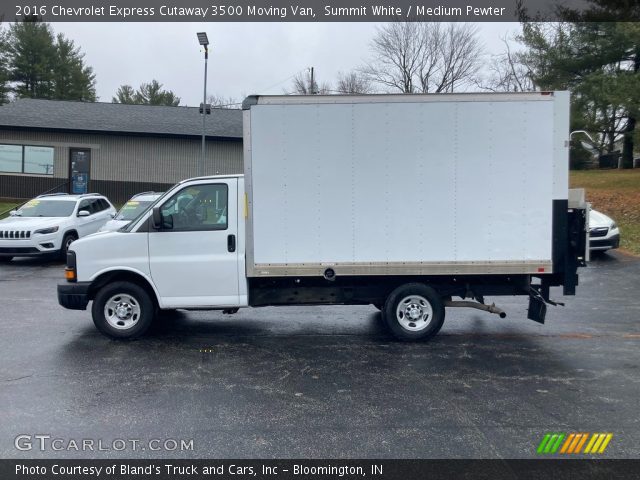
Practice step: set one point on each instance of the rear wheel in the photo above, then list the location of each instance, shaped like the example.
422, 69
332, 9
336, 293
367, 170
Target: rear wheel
414, 312
123, 310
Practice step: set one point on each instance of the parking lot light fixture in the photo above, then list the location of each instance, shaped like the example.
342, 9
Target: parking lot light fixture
204, 41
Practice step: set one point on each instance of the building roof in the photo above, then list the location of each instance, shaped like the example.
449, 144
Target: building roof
119, 118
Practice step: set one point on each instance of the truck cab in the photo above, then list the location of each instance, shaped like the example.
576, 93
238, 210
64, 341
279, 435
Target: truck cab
185, 252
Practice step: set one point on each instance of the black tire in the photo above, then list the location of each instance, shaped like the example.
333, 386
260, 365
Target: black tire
426, 304
130, 297
5, 259
67, 240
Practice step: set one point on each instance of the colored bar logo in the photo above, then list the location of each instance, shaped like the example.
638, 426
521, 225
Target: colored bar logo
573, 443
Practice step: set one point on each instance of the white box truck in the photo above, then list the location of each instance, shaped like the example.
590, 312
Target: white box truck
411, 203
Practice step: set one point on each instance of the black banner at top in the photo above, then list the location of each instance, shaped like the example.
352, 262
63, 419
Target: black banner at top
320, 10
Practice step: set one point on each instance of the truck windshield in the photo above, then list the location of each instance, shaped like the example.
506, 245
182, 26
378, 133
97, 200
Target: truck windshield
140, 213
132, 209
47, 208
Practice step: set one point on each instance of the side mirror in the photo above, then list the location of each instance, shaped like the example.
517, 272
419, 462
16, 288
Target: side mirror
156, 217
112, 215
83, 213
14, 213
160, 222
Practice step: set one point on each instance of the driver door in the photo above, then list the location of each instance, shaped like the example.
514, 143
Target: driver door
192, 258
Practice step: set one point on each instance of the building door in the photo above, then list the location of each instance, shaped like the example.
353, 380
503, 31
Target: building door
79, 170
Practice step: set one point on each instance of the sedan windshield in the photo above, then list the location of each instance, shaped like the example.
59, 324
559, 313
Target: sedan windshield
132, 209
47, 208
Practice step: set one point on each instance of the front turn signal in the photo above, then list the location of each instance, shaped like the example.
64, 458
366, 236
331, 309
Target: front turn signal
70, 274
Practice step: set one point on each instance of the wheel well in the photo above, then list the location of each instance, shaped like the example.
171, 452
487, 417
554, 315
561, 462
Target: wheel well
121, 276
73, 232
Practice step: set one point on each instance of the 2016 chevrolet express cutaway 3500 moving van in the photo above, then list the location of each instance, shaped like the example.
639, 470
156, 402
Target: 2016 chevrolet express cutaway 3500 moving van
412, 203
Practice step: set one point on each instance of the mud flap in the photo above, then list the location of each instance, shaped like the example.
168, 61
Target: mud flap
537, 309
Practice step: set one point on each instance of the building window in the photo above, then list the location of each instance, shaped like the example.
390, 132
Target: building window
38, 160
26, 159
11, 158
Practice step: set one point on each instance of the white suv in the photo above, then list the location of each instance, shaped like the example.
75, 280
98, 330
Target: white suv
49, 223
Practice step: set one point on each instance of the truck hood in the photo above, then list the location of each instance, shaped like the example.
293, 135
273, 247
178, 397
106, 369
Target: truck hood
30, 223
599, 220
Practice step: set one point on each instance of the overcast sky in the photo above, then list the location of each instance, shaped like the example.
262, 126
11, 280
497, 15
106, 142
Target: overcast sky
244, 58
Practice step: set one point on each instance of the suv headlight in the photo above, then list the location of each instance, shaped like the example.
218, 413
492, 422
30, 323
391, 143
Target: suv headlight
44, 231
613, 225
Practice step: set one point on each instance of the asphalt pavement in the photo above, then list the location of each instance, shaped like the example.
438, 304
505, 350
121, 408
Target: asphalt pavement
319, 382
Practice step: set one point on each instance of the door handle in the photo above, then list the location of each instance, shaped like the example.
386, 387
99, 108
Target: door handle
231, 243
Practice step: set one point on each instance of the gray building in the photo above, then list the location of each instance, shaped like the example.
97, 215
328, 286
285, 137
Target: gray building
114, 149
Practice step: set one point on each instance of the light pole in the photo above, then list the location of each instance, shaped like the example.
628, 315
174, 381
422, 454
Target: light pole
204, 41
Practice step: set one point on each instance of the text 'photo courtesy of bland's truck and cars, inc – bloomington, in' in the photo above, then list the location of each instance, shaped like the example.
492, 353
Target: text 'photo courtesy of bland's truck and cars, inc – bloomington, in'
416, 258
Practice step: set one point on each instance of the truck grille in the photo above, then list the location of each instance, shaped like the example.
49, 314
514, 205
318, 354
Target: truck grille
598, 232
14, 234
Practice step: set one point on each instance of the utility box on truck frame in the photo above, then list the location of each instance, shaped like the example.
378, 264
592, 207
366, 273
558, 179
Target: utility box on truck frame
405, 184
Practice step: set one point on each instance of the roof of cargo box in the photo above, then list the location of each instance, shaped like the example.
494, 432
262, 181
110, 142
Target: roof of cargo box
118, 118
394, 98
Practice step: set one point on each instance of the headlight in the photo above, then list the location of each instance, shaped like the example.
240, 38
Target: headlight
613, 225
44, 231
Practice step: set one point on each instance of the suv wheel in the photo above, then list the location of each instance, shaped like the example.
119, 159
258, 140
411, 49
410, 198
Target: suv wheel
68, 239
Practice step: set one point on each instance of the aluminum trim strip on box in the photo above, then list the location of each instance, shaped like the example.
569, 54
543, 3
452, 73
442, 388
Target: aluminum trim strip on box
401, 268
403, 98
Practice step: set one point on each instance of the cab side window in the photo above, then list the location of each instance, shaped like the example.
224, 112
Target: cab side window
197, 208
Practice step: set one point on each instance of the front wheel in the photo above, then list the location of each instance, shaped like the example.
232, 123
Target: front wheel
414, 312
68, 239
122, 310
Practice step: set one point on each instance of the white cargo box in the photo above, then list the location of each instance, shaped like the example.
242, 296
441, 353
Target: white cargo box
404, 184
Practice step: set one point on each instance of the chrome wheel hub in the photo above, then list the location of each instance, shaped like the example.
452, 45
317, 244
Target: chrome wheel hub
414, 313
122, 311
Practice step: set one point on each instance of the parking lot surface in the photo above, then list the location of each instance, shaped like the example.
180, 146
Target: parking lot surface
322, 382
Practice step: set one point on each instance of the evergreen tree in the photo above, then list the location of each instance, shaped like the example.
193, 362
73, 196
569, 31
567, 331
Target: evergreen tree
72, 79
147, 94
125, 94
31, 58
600, 63
4, 70
41, 65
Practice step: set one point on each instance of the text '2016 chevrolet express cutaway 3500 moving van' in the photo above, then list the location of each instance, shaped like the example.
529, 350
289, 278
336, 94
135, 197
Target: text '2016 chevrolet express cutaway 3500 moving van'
412, 203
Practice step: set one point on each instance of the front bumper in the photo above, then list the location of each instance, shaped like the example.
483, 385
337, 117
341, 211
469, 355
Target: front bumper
74, 296
607, 243
20, 252
32, 247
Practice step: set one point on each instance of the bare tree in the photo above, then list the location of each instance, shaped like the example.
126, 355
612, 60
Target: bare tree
218, 101
508, 72
424, 57
397, 50
302, 85
353, 83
